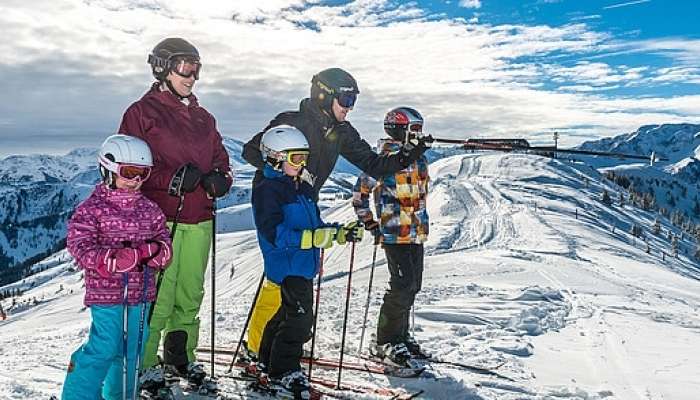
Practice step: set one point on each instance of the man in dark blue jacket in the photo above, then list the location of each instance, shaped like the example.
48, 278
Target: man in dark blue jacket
322, 119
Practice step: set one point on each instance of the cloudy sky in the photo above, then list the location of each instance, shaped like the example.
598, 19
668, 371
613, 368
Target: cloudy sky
474, 68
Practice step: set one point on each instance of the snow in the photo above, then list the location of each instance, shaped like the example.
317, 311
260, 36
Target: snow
522, 266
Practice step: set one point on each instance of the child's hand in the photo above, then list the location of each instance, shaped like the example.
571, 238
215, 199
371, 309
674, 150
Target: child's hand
155, 254
351, 232
118, 261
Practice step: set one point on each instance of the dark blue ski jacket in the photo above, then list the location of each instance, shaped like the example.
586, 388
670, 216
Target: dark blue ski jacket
282, 209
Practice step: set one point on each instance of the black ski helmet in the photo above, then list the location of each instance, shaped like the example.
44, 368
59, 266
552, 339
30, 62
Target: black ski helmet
402, 120
329, 84
163, 53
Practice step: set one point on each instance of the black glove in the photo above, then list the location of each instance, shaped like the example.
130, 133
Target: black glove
185, 180
414, 149
372, 227
216, 183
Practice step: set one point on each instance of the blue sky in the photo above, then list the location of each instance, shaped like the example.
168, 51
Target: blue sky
474, 68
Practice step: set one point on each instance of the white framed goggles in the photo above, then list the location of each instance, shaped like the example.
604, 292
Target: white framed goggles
129, 172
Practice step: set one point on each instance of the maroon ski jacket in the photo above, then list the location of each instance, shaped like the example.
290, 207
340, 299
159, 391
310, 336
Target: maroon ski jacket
177, 134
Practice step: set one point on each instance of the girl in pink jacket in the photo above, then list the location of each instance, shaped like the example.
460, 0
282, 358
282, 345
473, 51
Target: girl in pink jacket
117, 236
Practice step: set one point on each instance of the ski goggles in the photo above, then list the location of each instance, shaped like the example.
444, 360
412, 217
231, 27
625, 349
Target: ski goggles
133, 172
186, 67
297, 159
415, 128
346, 100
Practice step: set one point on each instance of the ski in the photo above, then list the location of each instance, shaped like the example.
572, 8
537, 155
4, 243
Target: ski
370, 366
266, 389
327, 386
472, 368
425, 362
173, 390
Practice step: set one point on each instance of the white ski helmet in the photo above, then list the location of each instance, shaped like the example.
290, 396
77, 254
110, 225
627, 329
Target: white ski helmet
122, 149
279, 141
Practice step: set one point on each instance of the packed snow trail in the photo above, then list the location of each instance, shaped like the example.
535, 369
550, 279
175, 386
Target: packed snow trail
522, 267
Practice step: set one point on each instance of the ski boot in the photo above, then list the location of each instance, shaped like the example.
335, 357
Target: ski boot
152, 379
295, 383
396, 356
247, 355
192, 372
415, 349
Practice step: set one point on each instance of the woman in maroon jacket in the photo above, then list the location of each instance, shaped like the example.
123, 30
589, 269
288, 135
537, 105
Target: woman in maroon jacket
191, 167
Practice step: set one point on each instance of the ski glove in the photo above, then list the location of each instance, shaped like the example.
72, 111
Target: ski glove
321, 238
185, 180
118, 261
414, 149
372, 227
155, 254
216, 183
351, 232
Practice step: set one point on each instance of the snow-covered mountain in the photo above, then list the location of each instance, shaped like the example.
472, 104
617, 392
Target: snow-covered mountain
675, 183
676, 142
679, 144
525, 267
39, 192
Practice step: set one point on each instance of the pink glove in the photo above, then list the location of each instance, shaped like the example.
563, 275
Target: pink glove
156, 254
118, 261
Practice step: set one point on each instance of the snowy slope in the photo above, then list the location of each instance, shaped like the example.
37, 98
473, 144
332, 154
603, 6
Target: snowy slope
524, 265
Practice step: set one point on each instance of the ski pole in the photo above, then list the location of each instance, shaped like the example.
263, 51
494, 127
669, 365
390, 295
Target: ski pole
142, 319
247, 321
213, 282
345, 319
318, 296
413, 320
369, 295
125, 327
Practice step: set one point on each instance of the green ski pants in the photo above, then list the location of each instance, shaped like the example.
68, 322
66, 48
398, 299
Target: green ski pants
181, 290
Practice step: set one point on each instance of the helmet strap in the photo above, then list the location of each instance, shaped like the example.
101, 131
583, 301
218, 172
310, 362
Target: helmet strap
172, 90
108, 177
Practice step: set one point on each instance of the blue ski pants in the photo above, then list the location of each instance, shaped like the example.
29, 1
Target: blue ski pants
95, 370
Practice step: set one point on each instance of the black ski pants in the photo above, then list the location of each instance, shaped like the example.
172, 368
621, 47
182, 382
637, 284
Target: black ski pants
285, 334
405, 263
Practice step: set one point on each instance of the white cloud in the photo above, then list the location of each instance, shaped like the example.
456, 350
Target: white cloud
629, 3
470, 3
585, 17
76, 65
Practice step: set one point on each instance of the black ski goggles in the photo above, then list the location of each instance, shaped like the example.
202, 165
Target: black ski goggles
346, 100
186, 67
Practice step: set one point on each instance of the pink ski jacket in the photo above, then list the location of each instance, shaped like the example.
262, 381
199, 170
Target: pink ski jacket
113, 219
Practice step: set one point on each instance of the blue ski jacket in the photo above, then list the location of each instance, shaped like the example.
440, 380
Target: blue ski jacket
283, 208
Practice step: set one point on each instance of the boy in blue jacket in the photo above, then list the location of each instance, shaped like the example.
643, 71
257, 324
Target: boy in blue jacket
290, 234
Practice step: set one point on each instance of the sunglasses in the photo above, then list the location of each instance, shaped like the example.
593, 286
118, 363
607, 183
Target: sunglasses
297, 159
133, 172
186, 67
347, 100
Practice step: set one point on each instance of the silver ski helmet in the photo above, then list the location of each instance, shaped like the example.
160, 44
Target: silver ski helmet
119, 151
282, 143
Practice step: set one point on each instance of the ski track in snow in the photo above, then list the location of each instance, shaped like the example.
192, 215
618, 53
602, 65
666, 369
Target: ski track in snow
572, 310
